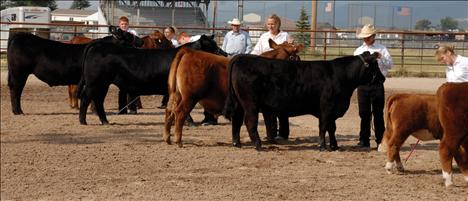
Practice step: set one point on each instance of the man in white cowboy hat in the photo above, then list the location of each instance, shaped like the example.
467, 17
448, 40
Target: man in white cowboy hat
371, 97
237, 41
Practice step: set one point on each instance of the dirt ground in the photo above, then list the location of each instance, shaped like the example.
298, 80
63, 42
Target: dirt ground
47, 155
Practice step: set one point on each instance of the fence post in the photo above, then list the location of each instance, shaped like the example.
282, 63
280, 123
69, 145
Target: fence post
403, 54
421, 55
325, 46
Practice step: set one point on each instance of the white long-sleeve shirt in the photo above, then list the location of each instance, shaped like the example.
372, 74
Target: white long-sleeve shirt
458, 72
263, 45
385, 61
237, 43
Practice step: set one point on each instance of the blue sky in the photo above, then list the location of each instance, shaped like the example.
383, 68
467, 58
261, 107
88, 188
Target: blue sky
345, 10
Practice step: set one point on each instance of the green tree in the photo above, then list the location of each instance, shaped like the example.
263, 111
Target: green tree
448, 23
303, 24
423, 24
43, 3
80, 4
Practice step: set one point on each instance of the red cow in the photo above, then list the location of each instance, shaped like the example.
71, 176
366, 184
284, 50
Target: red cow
408, 114
453, 115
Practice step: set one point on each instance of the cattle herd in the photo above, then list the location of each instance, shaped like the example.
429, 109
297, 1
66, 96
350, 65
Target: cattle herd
277, 84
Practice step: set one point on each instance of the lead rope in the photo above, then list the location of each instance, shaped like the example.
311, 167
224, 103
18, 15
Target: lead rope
128, 105
412, 149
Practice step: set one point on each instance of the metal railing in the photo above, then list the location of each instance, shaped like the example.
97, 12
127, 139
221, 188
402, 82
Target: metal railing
412, 52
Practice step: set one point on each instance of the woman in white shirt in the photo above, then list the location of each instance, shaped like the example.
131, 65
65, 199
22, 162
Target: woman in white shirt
273, 24
457, 65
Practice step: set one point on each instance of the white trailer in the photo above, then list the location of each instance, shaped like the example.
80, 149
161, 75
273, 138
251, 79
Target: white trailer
27, 14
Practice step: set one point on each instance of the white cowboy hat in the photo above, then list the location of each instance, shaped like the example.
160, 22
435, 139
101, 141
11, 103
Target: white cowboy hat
366, 31
235, 21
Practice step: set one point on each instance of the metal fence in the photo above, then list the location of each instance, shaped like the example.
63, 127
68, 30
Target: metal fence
412, 52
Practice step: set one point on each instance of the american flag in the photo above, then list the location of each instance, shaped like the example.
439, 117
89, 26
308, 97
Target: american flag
329, 7
404, 11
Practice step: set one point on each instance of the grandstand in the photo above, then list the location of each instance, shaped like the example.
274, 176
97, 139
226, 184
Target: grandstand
160, 13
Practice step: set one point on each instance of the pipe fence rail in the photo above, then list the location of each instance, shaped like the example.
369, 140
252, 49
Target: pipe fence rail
412, 52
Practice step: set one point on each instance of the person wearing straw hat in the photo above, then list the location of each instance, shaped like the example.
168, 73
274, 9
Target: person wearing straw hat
371, 97
236, 41
457, 65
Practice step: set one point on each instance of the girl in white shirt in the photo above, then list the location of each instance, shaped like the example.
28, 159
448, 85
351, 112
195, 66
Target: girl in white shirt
457, 65
273, 24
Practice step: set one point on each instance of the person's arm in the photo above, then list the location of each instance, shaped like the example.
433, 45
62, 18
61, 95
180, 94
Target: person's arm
357, 51
385, 60
258, 47
249, 43
133, 32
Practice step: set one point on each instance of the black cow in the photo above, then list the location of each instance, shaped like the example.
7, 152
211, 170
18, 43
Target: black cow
134, 71
53, 62
292, 88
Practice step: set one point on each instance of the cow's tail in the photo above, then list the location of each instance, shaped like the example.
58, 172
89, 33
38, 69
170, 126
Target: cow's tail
82, 83
80, 88
172, 79
172, 88
231, 101
388, 123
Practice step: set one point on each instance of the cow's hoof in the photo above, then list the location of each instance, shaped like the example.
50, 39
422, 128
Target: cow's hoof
389, 167
83, 123
237, 144
122, 112
258, 148
400, 168
132, 112
168, 141
179, 144
105, 123
18, 112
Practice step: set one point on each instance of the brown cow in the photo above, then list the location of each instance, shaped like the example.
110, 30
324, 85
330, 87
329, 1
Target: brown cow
156, 40
408, 114
73, 100
197, 76
453, 115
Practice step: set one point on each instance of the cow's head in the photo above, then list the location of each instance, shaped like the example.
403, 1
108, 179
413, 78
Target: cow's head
207, 44
370, 72
285, 50
160, 40
125, 38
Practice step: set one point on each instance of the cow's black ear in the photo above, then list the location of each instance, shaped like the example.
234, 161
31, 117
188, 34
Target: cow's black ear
212, 37
112, 29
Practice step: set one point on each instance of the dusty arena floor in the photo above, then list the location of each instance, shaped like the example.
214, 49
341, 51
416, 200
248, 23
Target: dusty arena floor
47, 155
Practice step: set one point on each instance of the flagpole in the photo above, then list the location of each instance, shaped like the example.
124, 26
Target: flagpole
411, 18
333, 14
